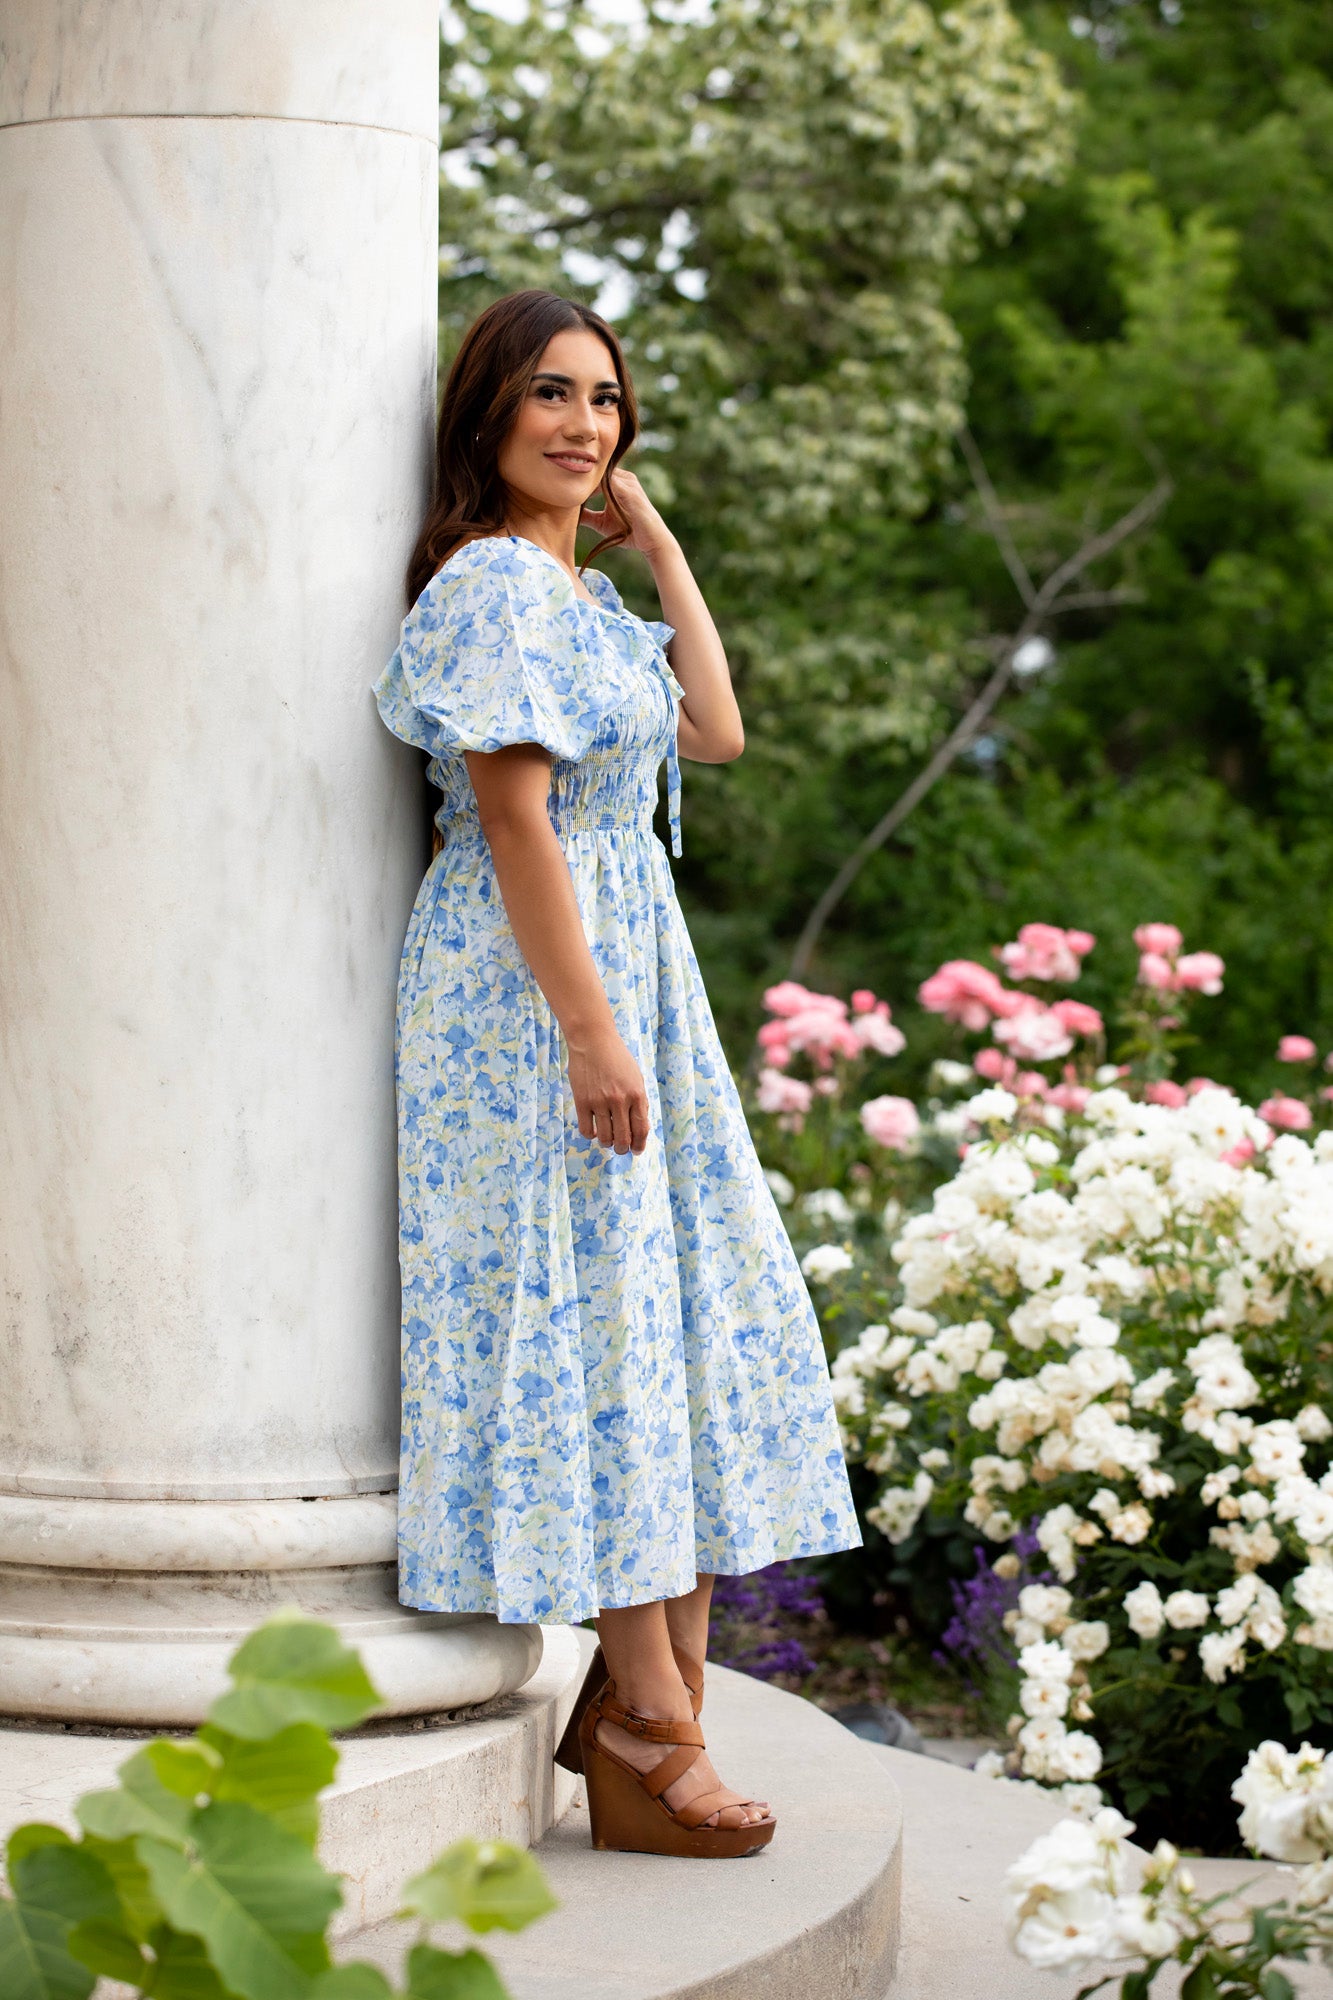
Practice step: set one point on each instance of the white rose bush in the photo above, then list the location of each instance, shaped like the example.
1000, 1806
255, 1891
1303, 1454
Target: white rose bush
1116, 1337
1102, 1355
1082, 1895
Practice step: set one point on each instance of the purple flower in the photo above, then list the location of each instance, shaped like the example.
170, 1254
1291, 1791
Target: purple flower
975, 1635
751, 1620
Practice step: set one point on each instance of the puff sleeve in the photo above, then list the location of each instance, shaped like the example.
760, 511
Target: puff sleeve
494, 651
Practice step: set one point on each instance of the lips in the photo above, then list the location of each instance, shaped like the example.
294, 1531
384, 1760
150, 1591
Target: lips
572, 461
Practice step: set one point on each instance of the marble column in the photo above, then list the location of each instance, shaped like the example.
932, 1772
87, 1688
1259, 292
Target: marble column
218, 298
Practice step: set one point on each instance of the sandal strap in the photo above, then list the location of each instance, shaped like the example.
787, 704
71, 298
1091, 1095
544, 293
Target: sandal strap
708, 1803
652, 1728
672, 1766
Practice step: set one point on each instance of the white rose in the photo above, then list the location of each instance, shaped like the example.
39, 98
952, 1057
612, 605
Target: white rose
783, 1191
1087, 1640
1185, 1609
1046, 1661
825, 1261
1313, 1424
1041, 1698
1143, 1608
1081, 1755
1221, 1653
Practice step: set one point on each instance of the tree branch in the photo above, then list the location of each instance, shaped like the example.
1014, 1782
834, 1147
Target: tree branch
999, 527
1044, 603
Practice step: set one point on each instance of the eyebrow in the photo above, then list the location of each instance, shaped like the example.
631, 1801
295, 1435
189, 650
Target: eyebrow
549, 375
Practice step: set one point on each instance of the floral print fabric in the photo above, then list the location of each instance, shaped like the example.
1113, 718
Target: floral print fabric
613, 1378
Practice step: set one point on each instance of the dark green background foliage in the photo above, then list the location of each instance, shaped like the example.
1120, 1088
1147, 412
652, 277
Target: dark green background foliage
1106, 237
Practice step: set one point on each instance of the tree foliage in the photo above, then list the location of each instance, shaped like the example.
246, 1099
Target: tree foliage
832, 229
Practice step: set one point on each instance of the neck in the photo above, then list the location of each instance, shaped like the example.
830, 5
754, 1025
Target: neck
554, 529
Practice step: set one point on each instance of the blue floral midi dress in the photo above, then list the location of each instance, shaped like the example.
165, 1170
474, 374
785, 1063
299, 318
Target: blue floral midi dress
612, 1373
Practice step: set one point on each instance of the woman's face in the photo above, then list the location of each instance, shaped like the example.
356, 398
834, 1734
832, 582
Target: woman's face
567, 426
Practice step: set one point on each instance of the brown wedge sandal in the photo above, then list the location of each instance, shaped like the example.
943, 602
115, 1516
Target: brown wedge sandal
626, 1806
568, 1753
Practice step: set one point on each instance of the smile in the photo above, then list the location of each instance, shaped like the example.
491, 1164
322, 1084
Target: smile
572, 461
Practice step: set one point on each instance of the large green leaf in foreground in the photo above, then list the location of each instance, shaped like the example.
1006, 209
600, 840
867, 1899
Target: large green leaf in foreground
254, 1893
292, 1670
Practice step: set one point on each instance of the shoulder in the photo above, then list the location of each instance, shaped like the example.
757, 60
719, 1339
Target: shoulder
489, 577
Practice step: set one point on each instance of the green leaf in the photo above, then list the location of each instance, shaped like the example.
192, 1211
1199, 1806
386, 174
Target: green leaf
66, 1881
141, 1804
1134, 1986
452, 1975
280, 1775
187, 1769
1275, 1985
139, 1907
481, 1884
1200, 1985
183, 1971
352, 1982
27, 1839
34, 1964
294, 1670
109, 1951
254, 1893
56, 1885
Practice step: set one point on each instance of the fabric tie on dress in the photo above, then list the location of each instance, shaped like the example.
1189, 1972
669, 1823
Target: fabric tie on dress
673, 688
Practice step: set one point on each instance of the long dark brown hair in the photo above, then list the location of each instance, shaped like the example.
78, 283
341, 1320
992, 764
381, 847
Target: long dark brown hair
490, 376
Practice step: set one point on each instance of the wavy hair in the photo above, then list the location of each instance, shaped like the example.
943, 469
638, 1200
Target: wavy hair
486, 385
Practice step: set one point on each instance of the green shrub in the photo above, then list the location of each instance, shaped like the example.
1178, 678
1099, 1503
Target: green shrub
196, 1877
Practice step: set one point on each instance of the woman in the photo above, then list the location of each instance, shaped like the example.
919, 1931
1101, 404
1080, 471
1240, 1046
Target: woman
613, 1382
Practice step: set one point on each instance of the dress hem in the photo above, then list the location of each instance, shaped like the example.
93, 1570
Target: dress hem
479, 1603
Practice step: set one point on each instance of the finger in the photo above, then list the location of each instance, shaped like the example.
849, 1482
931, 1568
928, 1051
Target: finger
640, 1124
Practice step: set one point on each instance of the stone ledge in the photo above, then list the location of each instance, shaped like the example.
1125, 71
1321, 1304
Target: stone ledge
814, 1916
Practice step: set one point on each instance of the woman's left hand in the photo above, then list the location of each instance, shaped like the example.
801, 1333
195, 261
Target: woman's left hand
649, 533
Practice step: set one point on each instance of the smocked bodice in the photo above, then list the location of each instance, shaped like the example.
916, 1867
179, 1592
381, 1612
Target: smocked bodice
500, 648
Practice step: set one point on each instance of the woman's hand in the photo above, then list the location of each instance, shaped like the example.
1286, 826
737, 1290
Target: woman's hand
609, 1095
649, 533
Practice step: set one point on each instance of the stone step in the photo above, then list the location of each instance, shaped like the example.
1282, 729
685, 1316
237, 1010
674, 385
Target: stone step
813, 1916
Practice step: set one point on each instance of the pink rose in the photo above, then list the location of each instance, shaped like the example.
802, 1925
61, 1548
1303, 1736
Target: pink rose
1035, 1035
1327, 1094
891, 1121
1200, 972
1078, 1017
1198, 1083
783, 1093
1296, 1048
1070, 1096
863, 1000
1163, 940
1173, 1095
1043, 951
963, 991
790, 997
1288, 1114
1238, 1155
1155, 971
994, 1065
1030, 1083
876, 1031
1080, 942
